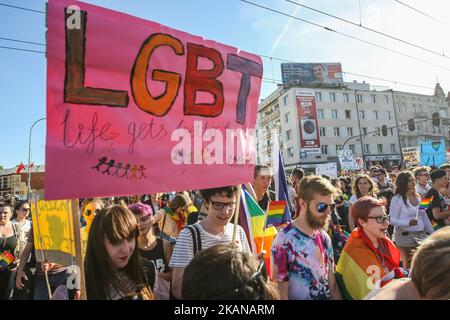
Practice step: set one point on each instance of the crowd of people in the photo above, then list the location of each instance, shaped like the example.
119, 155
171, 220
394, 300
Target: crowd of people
375, 234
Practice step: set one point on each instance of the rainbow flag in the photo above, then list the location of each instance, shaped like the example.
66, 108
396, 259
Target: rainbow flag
358, 265
275, 213
253, 220
425, 203
5, 259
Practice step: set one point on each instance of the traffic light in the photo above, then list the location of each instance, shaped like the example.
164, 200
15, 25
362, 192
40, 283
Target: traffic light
436, 119
411, 125
384, 130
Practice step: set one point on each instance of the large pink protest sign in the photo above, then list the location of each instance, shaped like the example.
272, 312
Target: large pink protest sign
135, 107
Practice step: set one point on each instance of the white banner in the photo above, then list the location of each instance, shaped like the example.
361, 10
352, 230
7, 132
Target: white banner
346, 159
329, 169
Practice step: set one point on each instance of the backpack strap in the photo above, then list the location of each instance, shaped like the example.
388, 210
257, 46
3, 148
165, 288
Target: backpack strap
196, 240
199, 240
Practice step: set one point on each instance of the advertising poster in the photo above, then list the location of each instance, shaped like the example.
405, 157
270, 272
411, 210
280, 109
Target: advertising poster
308, 124
295, 73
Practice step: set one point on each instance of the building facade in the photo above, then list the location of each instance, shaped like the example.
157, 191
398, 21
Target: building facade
344, 117
421, 107
16, 183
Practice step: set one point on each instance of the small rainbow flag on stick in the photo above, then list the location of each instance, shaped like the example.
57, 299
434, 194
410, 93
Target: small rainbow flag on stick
275, 213
425, 203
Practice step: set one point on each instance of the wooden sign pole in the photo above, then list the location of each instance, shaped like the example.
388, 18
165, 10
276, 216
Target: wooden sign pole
78, 253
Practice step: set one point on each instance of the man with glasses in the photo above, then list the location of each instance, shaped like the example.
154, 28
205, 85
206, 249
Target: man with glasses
302, 261
215, 228
423, 177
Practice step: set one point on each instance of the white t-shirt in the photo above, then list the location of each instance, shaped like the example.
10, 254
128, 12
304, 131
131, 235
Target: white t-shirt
183, 251
352, 199
401, 214
422, 191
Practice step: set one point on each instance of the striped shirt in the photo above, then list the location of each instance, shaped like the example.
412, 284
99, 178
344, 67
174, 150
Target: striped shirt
183, 252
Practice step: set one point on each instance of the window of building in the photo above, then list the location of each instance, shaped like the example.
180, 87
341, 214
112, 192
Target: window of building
373, 97
338, 148
364, 130
388, 114
334, 114
332, 97
285, 100
378, 129
352, 148
320, 114
336, 132
362, 114
290, 152
346, 97
286, 117
323, 132
324, 149
393, 148
391, 130
375, 115
386, 97
366, 148
350, 131
319, 96
288, 135
348, 114
380, 148
359, 98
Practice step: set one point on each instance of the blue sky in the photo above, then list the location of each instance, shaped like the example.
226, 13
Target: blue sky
23, 74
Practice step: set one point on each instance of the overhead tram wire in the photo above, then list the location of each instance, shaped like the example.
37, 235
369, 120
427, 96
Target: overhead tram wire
270, 80
369, 29
21, 49
421, 12
346, 35
20, 8
23, 41
353, 74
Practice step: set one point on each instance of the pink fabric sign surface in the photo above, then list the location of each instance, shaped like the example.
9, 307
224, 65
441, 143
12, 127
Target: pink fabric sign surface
118, 87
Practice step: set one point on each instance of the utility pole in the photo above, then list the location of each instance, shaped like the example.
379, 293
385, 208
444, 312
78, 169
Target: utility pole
359, 128
29, 159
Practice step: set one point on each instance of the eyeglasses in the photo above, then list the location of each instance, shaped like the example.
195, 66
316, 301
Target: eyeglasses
89, 212
380, 219
423, 174
26, 209
220, 205
322, 207
144, 218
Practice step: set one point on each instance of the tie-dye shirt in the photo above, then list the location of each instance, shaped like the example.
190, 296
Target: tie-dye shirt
304, 261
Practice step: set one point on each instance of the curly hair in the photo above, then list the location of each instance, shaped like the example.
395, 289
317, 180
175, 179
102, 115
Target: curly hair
224, 272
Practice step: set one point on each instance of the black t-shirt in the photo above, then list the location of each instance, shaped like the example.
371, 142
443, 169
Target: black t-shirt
437, 202
264, 202
154, 260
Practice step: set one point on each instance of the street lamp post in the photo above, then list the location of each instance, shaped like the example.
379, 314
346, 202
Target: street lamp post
29, 159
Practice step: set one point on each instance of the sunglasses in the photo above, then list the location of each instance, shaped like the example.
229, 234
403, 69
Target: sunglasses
26, 209
380, 219
322, 207
220, 205
89, 212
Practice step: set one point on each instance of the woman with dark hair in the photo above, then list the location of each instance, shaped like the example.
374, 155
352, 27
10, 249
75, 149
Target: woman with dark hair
22, 222
224, 272
410, 223
362, 186
113, 267
369, 259
8, 242
172, 219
